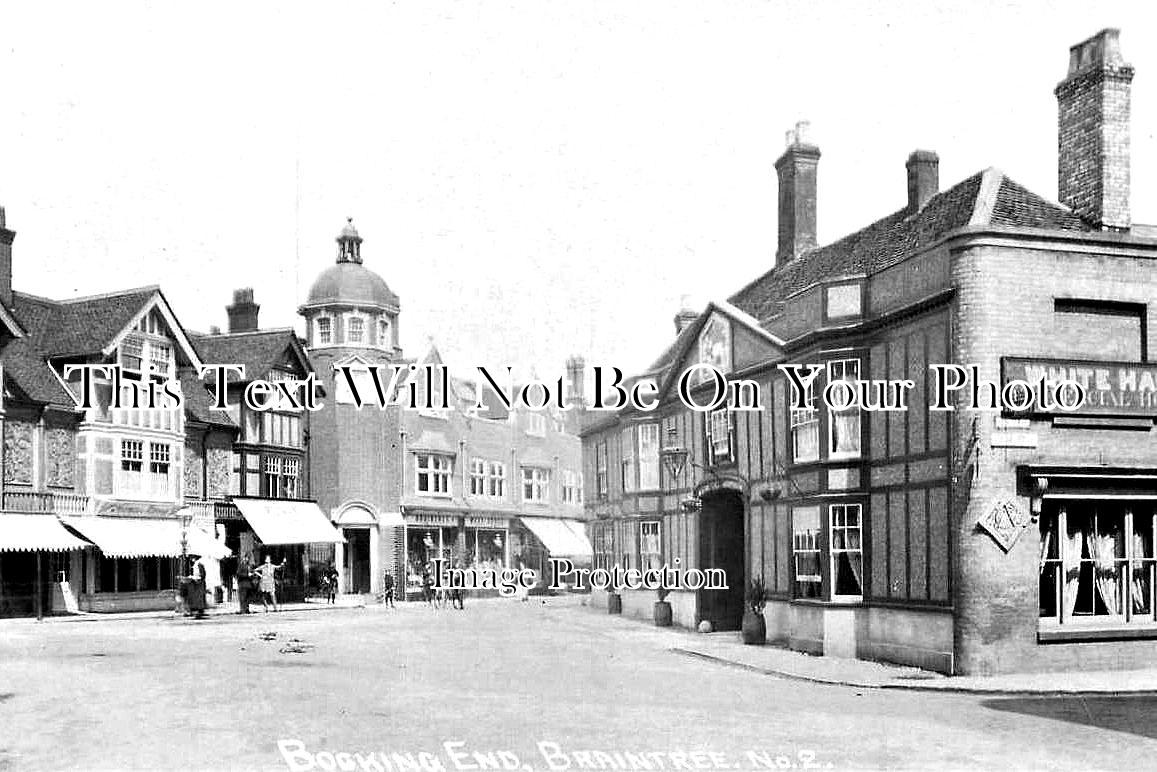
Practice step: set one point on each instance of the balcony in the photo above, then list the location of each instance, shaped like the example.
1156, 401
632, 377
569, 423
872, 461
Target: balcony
50, 501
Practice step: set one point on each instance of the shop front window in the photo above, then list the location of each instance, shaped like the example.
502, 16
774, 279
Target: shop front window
1097, 564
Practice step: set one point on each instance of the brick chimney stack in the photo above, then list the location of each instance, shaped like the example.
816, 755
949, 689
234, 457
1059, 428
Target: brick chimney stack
685, 316
923, 178
576, 376
1093, 132
6, 238
797, 195
243, 312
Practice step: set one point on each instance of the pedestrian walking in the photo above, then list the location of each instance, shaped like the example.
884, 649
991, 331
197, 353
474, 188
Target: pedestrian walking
428, 587
457, 594
244, 577
267, 576
388, 590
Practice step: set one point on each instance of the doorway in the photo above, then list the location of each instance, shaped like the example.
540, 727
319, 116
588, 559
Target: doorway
356, 560
721, 545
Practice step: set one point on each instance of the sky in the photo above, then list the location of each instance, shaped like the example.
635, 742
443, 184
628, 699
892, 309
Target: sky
534, 179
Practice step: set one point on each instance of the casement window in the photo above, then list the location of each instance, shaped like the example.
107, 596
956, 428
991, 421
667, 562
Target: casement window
650, 545
805, 426
357, 329
477, 477
601, 469
627, 464
496, 480
844, 425
535, 484
720, 437
806, 552
571, 488
280, 477
324, 331
145, 470
847, 556
132, 353
1097, 565
137, 352
648, 457
433, 474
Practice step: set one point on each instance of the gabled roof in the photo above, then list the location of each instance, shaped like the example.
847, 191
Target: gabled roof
53, 328
985, 198
259, 350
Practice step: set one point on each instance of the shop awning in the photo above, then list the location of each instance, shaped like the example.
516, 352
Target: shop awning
138, 537
36, 533
559, 537
278, 521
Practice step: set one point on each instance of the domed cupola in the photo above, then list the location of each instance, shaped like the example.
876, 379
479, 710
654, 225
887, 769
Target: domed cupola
350, 306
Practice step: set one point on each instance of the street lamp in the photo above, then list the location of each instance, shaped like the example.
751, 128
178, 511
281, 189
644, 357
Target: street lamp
674, 458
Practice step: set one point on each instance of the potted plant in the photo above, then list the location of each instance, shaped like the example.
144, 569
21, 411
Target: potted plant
662, 609
754, 627
614, 603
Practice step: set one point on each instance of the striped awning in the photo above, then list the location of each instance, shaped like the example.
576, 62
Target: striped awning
36, 533
139, 537
284, 521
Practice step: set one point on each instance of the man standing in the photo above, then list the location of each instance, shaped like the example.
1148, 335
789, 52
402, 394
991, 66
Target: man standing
388, 590
244, 584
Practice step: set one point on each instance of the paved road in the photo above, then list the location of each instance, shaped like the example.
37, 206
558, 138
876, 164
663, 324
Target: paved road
502, 685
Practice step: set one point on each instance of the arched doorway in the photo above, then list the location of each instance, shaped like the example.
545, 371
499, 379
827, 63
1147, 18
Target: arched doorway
722, 545
358, 557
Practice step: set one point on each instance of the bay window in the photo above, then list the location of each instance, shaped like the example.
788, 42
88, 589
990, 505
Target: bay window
805, 426
1097, 564
843, 425
433, 474
827, 544
603, 545
145, 470
805, 548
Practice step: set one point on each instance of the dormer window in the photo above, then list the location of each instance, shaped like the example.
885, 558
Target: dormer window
357, 330
324, 331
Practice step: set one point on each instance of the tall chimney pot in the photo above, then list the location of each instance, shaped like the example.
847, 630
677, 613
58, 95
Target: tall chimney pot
6, 238
1093, 175
797, 194
243, 312
923, 178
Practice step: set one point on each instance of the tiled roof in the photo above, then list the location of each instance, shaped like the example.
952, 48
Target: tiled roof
197, 402
259, 351
890, 239
59, 328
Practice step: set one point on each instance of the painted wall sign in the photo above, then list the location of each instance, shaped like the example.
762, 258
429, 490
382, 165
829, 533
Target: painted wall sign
1111, 388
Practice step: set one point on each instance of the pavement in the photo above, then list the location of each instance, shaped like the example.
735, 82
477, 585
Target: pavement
540, 686
727, 649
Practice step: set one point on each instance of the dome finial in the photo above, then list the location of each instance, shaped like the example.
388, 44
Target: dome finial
349, 244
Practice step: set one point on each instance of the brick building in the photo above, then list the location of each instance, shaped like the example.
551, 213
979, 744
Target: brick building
404, 486
966, 541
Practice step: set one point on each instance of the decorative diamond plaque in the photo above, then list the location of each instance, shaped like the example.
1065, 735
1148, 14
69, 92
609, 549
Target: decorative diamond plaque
1004, 522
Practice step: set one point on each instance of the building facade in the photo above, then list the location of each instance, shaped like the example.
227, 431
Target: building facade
407, 484
963, 540
102, 505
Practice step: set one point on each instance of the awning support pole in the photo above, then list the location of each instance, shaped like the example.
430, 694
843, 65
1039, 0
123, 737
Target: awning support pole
39, 589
